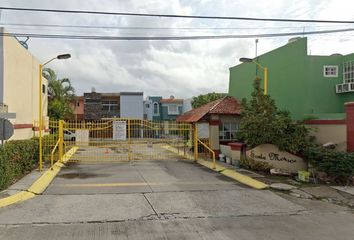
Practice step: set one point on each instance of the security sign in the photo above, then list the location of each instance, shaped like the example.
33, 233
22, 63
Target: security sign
120, 130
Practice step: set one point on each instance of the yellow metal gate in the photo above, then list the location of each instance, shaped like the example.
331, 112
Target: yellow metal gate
117, 140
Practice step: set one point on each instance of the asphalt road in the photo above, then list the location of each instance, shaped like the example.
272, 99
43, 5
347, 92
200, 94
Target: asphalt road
166, 200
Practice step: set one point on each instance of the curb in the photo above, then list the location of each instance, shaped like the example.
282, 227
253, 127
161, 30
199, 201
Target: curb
231, 173
40, 185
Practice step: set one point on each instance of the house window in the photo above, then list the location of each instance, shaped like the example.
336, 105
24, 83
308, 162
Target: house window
110, 106
172, 109
330, 71
43, 88
78, 104
227, 131
147, 105
156, 108
348, 72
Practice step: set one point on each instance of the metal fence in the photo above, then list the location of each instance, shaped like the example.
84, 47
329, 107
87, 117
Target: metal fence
122, 140
116, 140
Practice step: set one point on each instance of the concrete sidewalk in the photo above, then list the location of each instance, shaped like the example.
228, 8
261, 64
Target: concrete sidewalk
35, 183
21, 185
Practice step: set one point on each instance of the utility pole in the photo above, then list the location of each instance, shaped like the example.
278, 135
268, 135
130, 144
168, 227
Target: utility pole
256, 57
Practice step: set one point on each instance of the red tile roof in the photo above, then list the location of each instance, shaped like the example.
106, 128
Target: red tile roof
224, 106
171, 100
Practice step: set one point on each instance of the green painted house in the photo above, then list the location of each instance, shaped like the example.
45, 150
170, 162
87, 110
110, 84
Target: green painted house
162, 109
307, 86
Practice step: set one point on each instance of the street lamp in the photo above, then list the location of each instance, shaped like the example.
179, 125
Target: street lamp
40, 110
265, 71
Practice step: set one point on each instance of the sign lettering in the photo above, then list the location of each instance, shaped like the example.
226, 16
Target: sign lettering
272, 156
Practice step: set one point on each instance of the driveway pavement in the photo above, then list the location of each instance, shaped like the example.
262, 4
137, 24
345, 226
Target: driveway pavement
166, 200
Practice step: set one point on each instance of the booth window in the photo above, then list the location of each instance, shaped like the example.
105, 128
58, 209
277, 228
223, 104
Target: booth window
227, 131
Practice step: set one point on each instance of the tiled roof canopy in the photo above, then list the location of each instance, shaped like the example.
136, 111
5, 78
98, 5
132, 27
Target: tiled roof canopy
224, 106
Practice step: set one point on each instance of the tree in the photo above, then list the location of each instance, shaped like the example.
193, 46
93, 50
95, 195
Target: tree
262, 123
206, 98
60, 95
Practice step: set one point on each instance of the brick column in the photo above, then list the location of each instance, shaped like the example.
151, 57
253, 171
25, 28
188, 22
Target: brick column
349, 108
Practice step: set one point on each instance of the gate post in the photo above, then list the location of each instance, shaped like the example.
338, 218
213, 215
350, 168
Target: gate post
349, 108
195, 140
61, 140
129, 143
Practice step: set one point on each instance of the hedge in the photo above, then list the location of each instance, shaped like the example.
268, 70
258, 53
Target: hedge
336, 164
17, 158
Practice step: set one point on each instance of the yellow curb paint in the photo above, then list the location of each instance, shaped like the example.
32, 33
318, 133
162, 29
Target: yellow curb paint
40, 184
244, 179
226, 172
235, 175
18, 197
209, 164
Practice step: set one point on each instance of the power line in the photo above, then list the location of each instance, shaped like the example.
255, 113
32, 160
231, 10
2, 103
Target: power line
175, 15
152, 28
169, 38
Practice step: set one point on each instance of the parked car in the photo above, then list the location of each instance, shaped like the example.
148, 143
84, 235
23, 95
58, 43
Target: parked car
69, 136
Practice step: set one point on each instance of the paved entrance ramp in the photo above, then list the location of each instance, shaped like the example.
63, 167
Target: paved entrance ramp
138, 177
136, 191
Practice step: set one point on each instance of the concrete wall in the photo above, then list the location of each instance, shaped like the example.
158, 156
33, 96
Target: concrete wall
271, 154
214, 133
78, 108
187, 105
148, 109
203, 130
1, 66
296, 80
131, 105
327, 131
226, 150
21, 87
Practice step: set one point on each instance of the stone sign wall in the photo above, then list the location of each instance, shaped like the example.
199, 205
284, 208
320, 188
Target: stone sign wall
277, 159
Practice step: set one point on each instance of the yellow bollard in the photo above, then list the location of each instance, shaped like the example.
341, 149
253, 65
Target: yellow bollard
129, 143
195, 142
61, 139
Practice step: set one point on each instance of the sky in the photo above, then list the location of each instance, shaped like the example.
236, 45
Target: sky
163, 68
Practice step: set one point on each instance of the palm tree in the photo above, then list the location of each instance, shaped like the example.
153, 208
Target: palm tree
60, 95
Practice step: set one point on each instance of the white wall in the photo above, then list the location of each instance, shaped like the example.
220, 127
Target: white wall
187, 105
335, 133
148, 110
131, 105
20, 87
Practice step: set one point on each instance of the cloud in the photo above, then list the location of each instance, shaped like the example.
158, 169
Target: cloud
179, 68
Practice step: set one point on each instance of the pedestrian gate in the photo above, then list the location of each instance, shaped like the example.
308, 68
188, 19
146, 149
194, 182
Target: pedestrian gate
120, 140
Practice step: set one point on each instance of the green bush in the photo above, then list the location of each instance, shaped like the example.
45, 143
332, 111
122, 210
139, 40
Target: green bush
17, 158
336, 164
251, 164
262, 122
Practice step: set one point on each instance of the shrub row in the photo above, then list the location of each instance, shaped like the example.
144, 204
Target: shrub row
17, 158
336, 164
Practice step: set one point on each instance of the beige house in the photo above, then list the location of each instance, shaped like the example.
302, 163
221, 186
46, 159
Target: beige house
19, 86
